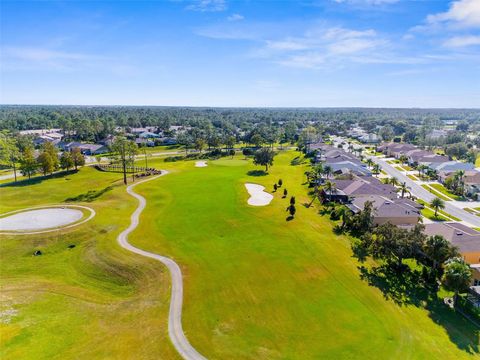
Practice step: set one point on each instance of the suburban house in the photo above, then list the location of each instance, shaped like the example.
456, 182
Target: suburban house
92, 149
369, 139
436, 134
395, 149
86, 149
476, 276
401, 212
346, 167
168, 141
144, 142
471, 180
148, 135
461, 236
364, 137
107, 141
319, 146
345, 190
337, 155
419, 156
427, 160
37, 132
451, 166
140, 130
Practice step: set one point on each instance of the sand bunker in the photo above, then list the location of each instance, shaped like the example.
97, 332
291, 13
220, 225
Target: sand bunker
40, 220
201, 164
258, 197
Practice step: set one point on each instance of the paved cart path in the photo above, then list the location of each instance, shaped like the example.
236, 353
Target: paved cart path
175, 329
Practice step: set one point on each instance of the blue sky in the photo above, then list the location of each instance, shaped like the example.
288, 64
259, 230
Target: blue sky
322, 53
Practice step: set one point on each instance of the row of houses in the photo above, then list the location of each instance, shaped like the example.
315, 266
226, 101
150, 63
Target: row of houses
441, 164
359, 187
151, 136
339, 160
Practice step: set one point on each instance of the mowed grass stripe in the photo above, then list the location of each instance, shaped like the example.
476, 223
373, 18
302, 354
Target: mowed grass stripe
257, 285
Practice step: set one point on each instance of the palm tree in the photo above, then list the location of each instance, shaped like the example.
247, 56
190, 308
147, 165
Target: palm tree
394, 181
457, 276
343, 213
404, 189
330, 188
437, 204
370, 162
432, 174
421, 169
403, 159
327, 170
318, 171
376, 169
458, 176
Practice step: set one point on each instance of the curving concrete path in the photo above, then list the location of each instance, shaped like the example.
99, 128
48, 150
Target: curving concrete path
175, 330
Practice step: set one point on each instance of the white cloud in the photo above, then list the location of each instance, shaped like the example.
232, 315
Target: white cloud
321, 46
462, 41
464, 13
235, 17
42, 55
29, 58
207, 5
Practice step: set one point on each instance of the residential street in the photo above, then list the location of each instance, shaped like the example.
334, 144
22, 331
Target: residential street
420, 192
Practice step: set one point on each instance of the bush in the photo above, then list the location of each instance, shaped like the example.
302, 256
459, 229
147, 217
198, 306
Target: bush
248, 151
174, 158
468, 308
215, 152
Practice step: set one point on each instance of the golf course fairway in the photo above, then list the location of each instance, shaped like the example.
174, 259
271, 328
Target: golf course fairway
255, 286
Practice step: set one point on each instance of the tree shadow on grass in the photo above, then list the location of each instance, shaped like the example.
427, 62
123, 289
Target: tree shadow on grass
459, 329
39, 179
90, 195
297, 161
257, 173
289, 218
401, 285
407, 287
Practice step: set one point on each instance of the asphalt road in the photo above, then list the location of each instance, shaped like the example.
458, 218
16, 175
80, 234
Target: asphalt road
425, 195
175, 330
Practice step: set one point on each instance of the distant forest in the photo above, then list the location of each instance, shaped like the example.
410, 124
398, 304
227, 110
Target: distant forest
18, 117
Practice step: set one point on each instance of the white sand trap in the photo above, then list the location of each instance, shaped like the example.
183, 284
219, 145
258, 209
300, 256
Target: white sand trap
201, 164
40, 219
258, 197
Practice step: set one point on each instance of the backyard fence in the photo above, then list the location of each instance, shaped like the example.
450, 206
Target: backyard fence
137, 170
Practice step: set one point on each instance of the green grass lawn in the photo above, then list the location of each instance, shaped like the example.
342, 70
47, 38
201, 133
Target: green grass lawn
404, 168
442, 215
436, 193
445, 191
256, 285
94, 301
477, 161
430, 214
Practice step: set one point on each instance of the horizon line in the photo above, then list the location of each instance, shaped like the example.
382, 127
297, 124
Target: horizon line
249, 107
